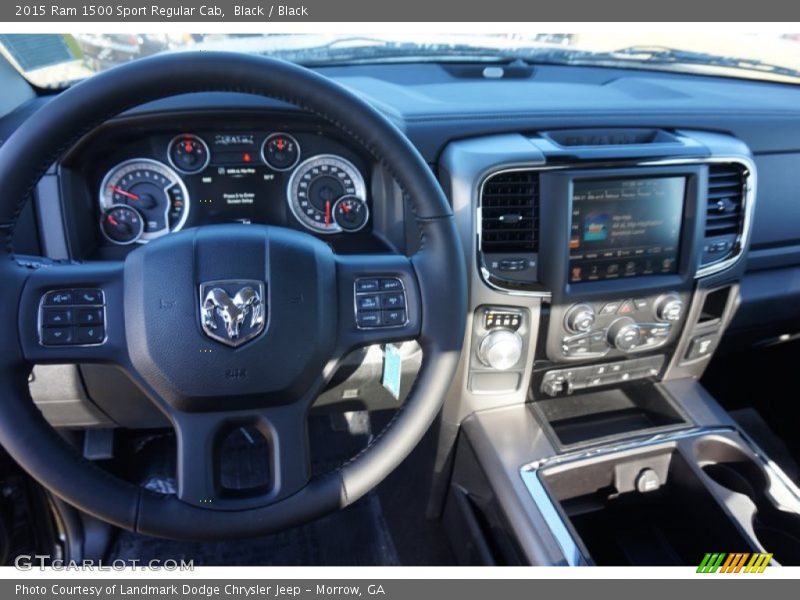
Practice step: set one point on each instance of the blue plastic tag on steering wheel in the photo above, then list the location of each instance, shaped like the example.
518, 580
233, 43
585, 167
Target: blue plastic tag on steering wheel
392, 370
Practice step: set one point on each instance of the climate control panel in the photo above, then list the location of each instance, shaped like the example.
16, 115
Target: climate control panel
595, 329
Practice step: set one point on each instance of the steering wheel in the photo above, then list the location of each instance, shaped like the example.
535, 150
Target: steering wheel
153, 316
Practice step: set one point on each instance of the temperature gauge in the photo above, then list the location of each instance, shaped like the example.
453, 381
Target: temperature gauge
122, 224
350, 213
280, 151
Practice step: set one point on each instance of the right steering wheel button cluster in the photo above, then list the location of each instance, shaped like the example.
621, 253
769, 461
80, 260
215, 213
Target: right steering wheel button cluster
380, 302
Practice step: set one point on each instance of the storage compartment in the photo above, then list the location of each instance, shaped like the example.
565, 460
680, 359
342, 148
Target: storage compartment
714, 306
571, 138
584, 417
642, 508
730, 467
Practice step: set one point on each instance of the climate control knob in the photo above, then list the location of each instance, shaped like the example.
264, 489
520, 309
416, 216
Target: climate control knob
500, 349
669, 307
624, 334
579, 318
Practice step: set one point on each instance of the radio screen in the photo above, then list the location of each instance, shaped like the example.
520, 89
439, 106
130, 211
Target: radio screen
625, 227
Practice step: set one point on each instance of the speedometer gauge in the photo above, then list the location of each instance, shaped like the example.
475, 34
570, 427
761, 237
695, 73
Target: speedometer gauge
152, 188
315, 187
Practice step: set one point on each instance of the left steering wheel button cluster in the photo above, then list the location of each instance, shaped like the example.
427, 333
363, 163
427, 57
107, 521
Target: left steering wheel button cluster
380, 303
72, 318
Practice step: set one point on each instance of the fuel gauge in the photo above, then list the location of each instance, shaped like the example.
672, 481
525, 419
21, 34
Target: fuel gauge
122, 224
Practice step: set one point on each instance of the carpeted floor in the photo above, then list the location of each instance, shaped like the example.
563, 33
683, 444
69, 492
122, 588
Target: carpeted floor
386, 527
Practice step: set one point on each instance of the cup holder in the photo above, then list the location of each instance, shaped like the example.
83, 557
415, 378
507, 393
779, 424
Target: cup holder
778, 531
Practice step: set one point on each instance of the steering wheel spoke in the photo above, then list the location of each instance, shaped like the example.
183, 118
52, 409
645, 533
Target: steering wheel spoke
73, 313
379, 300
241, 459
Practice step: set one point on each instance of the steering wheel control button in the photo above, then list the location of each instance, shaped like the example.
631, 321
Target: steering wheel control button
60, 298
368, 285
394, 317
370, 318
59, 310
391, 285
56, 317
393, 300
369, 302
57, 336
386, 308
89, 316
94, 334
88, 297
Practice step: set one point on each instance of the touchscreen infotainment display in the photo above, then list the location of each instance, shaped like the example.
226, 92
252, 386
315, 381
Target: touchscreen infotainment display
625, 227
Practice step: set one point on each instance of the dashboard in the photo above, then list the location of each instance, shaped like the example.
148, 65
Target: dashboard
608, 217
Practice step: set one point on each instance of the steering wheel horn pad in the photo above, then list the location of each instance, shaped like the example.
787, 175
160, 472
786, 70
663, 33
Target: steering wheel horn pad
154, 319
163, 311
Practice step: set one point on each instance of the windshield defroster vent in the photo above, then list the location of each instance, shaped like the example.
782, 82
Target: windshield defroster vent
510, 213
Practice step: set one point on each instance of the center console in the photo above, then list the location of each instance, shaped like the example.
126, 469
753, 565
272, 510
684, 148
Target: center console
606, 267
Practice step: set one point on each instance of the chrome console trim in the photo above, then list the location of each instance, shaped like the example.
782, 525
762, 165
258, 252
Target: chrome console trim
531, 477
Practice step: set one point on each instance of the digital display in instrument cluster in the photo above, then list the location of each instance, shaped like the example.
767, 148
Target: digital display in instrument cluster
625, 227
227, 194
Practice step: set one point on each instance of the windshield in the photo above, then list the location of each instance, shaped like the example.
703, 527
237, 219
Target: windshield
55, 61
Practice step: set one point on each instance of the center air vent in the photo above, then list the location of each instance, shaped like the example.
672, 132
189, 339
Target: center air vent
510, 213
725, 209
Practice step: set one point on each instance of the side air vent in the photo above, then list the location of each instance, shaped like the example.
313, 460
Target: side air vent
725, 210
510, 213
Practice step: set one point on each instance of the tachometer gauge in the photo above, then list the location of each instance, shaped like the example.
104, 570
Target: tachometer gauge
188, 153
153, 189
350, 213
316, 185
121, 224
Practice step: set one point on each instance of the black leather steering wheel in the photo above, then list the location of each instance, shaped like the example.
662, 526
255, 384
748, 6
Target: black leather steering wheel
152, 316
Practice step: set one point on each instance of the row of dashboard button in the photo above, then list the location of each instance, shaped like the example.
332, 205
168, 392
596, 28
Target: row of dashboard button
569, 380
624, 307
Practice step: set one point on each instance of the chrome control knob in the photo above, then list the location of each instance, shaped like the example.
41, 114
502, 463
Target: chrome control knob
579, 319
500, 349
624, 334
669, 307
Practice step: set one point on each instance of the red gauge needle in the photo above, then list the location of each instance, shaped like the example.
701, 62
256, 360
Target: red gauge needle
327, 212
119, 190
112, 220
345, 207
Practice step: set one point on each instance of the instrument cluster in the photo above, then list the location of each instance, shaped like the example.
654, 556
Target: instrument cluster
201, 178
